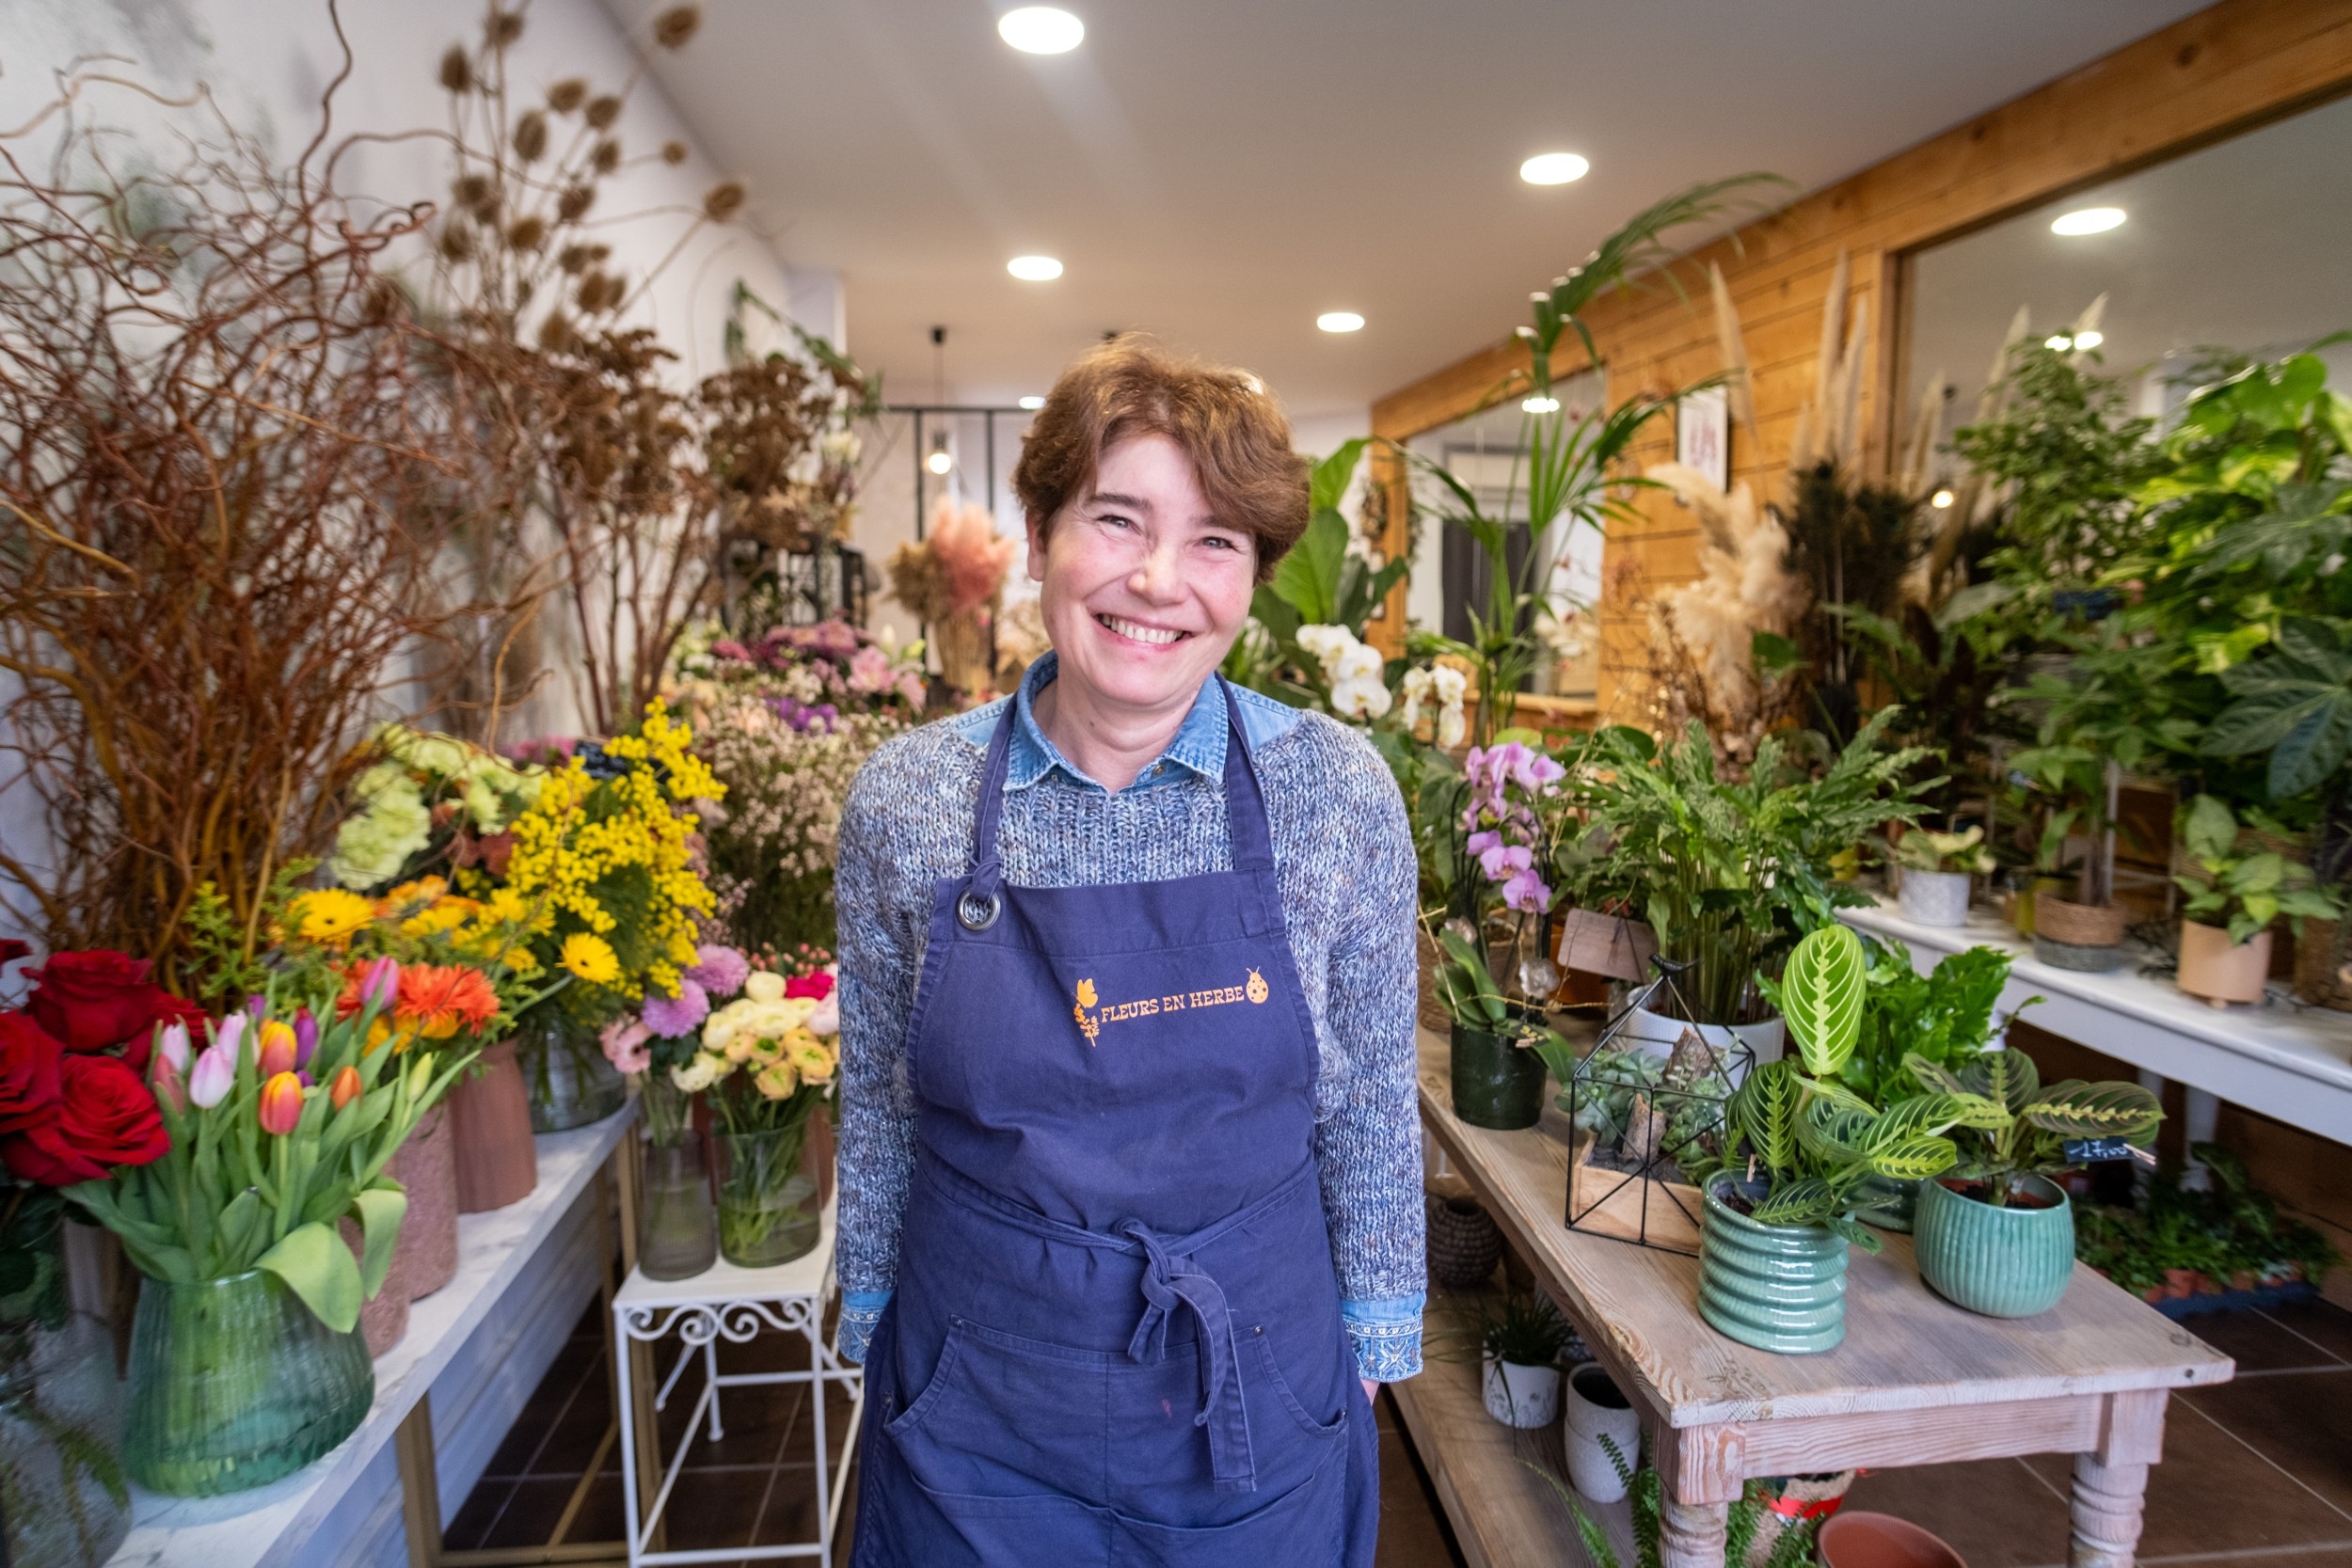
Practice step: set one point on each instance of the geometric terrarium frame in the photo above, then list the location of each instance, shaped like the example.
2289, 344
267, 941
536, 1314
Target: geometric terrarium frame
1648, 1116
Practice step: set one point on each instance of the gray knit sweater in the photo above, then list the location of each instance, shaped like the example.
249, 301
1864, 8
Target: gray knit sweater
1344, 860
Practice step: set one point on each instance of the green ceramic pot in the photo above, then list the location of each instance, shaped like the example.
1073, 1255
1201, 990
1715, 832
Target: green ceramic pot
1498, 1082
2008, 1262
1780, 1287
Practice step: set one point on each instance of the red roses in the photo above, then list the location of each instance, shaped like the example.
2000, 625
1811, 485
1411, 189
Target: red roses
69, 1113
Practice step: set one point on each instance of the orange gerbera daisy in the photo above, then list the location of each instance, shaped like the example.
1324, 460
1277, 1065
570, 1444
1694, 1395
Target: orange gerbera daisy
440, 999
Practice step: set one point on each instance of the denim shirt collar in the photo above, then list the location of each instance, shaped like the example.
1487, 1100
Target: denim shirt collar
1199, 746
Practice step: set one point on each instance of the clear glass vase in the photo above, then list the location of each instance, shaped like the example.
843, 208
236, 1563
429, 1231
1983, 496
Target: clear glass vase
64, 1502
235, 1382
677, 1233
571, 1083
768, 1195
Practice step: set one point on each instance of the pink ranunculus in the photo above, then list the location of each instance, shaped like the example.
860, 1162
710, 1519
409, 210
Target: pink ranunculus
719, 970
669, 1017
625, 1042
869, 671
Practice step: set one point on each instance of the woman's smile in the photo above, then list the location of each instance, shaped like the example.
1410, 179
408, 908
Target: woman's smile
1136, 632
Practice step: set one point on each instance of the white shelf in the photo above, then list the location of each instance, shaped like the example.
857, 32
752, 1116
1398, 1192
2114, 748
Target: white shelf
2287, 1061
273, 1525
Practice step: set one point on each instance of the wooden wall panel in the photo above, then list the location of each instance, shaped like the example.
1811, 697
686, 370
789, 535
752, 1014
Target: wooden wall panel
2225, 69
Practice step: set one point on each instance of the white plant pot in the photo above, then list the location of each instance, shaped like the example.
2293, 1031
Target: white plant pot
1596, 1410
1522, 1396
1934, 898
1657, 1033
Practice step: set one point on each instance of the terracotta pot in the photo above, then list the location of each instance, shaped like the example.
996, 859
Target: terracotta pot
384, 1317
2223, 973
426, 1167
1881, 1540
2319, 966
489, 1115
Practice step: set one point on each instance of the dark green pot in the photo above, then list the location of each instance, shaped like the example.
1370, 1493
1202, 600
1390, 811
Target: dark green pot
2002, 1262
1780, 1287
1498, 1082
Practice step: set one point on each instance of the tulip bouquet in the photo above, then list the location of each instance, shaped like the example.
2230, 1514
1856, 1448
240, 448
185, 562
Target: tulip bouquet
280, 1125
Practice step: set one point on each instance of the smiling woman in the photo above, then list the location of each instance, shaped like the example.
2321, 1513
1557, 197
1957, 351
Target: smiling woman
1128, 957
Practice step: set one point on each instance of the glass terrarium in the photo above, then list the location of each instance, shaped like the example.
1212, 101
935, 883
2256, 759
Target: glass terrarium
1647, 1103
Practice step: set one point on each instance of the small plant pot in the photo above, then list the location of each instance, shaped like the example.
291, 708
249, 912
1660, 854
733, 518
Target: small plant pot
1521, 1397
2219, 971
2028, 898
1779, 1288
2007, 1262
1934, 898
1498, 1082
1598, 1409
1880, 1541
1465, 1244
2084, 937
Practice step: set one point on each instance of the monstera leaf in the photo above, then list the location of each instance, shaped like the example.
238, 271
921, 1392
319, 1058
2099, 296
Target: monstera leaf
1821, 997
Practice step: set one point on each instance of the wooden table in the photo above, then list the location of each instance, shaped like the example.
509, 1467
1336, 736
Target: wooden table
1916, 1381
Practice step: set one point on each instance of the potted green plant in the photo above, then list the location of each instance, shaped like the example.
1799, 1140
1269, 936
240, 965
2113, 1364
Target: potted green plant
1777, 1217
1760, 1531
1937, 869
1519, 1345
2233, 899
2074, 922
1496, 1072
1996, 1236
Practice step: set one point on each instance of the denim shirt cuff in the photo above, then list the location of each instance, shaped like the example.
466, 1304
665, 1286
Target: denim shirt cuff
860, 1311
1387, 1336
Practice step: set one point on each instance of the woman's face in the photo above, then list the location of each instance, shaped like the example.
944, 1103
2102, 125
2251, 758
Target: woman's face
1143, 589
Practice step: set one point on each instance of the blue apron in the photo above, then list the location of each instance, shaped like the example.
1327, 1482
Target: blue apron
1116, 1337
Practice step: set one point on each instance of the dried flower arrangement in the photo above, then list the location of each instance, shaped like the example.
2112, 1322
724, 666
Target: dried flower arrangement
952, 579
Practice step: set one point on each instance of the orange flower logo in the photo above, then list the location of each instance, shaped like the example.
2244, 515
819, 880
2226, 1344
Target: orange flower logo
1087, 1026
1256, 990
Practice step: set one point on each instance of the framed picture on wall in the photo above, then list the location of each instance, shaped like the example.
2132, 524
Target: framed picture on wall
1703, 434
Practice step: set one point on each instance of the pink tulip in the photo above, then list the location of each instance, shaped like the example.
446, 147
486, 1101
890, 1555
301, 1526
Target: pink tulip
382, 984
280, 1110
216, 1071
227, 1035
278, 1049
170, 1086
172, 1044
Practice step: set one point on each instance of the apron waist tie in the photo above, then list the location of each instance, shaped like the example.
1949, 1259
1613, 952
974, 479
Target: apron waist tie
1168, 1283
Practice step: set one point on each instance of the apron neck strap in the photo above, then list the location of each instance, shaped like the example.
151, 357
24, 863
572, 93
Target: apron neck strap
1251, 840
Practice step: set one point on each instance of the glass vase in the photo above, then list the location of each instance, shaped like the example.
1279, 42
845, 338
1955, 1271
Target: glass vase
64, 1502
235, 1382
677, 1233
768, 1195
571, 1083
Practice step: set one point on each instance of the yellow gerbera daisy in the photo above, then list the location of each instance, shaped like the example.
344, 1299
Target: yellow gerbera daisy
330, 915
445, 915
591, 958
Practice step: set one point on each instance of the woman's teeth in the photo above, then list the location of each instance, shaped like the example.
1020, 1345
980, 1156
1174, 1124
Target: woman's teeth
1154, 635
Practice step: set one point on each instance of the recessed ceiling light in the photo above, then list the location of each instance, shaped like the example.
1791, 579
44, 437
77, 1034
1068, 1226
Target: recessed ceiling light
2088, 220
1041, 30
2090, 339
1540, 405
1554, 169
1942, 499
1033, 402
1340, 321
1034, 269
2057, 340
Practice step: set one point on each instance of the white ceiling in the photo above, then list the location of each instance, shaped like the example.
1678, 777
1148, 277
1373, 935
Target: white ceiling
1221, 171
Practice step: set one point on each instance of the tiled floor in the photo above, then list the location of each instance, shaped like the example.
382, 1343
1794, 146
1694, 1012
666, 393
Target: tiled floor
2256, 1473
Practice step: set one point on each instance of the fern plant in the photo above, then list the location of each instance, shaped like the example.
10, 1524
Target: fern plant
1792, 1549
2014, 1128
1806, 1137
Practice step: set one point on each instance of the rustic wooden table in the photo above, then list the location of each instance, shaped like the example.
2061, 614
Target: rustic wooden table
1917, 1381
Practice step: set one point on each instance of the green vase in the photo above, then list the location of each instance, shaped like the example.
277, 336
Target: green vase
64, 1502
1498, 1082
678, 1231
565, 1069
235, 1382
2008, 1262
767, 1195
1780, 1287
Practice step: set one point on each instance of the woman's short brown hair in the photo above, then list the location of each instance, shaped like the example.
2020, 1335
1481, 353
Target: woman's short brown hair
1224, 420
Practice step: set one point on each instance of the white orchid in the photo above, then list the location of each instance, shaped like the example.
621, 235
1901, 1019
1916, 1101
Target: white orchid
1441, 688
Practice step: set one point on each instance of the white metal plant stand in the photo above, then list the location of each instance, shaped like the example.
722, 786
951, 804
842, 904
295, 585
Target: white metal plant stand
734, 1304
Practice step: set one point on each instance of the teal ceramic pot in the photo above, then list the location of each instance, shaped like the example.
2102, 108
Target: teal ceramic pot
1886, 1203
2008, 1262
1498, 1082
1780, 1287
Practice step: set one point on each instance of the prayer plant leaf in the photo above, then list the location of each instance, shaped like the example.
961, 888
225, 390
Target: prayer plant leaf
1822, 990
318, 1267
2113, 1110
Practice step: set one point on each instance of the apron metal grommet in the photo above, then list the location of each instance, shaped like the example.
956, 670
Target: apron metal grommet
977, 915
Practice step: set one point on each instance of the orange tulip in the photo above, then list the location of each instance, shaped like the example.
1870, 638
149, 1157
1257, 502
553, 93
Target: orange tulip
278, 1049
346, 1088
280, 1110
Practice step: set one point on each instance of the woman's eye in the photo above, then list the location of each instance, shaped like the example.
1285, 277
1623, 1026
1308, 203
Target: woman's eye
1220, 542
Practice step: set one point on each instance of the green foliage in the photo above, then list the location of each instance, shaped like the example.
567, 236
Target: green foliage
228, 961
2295, 703
1792, 1549
1944, 1017
1320, 582
2011, 1126
1922, 850
1821, 997
1853, 544
2244, 893
1526, 1330
1813, 1143
2230, 1229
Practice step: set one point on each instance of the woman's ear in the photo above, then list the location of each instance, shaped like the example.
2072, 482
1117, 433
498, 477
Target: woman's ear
1036, 547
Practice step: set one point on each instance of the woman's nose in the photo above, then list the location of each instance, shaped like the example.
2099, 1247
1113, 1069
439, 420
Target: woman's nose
1156, 577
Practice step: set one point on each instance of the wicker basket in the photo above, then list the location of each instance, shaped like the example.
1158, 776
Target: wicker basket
1465, 1244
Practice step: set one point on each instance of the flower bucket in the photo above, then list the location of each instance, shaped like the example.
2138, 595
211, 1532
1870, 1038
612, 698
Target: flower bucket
1779, 1288
769, 1196
2223, 973
235, 1382
2008, 1262
571, 1083
677, 1233
2084, 937
1498, 1082
489, 1123
425, 1258
1598, 1409
1520, 1397
61, 1471
1938, 898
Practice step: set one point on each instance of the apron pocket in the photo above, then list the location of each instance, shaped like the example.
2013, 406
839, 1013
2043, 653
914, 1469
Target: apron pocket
1005, 1419
1304, 1528
1298, 1412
